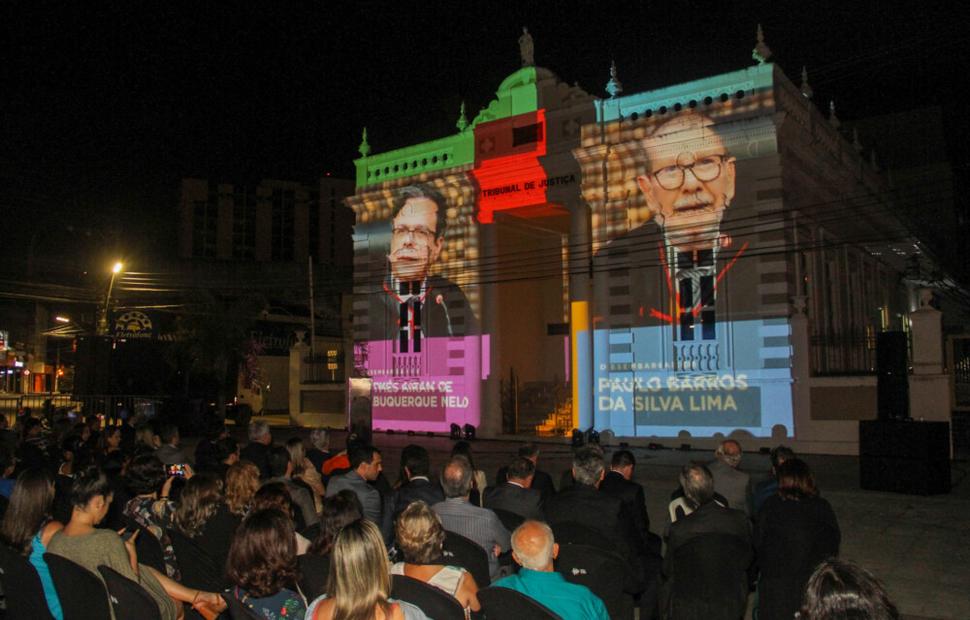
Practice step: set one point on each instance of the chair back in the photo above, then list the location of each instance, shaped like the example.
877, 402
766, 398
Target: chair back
465, 553
498, 602
715, 564
82, 595
314, 571
197, 568
433, 602
570, 532
236, 609
21, 586
509, 519
149, 549
678, 508
602, 572
128, 599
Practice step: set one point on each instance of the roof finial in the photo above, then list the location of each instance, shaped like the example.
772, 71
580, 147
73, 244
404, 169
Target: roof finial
833, 119
613, 87
855, 140
462, 123
364, 148
526, 48
806, 87
761, 52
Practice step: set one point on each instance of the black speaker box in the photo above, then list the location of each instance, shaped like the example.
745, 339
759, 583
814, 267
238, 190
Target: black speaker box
904, 456
892, 376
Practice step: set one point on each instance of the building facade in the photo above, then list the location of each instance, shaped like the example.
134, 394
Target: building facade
711, 258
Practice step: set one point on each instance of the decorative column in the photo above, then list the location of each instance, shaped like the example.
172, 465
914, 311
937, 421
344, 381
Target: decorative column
929, 388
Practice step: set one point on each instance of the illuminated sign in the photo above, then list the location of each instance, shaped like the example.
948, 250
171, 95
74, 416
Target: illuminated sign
4, 339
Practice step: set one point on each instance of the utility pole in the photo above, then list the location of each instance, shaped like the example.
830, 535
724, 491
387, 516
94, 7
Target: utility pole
313, 315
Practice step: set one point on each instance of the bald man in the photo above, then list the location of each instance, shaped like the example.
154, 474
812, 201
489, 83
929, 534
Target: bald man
534, 549
731, 483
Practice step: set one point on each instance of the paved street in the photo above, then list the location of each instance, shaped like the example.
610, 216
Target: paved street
918, 546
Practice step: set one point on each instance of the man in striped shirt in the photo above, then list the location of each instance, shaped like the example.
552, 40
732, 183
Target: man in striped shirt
480, 525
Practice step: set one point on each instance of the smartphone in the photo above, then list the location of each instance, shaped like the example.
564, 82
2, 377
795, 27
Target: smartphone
177, 470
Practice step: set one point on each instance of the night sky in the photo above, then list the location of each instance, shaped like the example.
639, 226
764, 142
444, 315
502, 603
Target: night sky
105, 106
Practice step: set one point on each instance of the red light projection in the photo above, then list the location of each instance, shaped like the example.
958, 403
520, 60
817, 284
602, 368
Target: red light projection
507, 168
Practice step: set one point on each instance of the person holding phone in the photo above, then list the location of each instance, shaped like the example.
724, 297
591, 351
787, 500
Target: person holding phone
150, 506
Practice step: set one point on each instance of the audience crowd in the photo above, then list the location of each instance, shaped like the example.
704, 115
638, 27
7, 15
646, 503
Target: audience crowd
273, 531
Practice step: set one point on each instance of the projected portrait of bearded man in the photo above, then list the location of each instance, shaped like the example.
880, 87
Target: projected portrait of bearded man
688, 183
418, 303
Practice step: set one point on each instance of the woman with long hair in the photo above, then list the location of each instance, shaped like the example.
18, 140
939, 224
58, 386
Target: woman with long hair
202, 516
338, 511
796, 530
242, 481
421, 537
303, 471
27, 527
82, 542
262, 566
359, 585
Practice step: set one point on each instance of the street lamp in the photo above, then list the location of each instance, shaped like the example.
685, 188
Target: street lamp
103, 322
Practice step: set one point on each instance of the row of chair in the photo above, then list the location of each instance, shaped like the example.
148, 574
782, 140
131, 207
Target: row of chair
77, 589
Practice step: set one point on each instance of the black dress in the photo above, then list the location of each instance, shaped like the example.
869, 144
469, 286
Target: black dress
792, 537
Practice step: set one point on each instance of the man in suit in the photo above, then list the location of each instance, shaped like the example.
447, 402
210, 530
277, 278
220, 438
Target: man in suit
583, 504
415, 303
458, 515
541, 481
366, 463
709, 517
417, 471
256, 451
731, 483
516, 495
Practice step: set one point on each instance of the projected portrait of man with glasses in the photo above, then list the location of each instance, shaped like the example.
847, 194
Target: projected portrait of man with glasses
421, 304
688, 183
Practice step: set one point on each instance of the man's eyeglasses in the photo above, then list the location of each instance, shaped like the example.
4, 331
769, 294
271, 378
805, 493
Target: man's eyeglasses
704, 169
420, 233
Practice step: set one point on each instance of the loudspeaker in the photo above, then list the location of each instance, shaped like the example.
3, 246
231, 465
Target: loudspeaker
904, 456
892, 353
892, 375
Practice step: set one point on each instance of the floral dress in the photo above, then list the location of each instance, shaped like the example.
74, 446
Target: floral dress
155, 515
284, 604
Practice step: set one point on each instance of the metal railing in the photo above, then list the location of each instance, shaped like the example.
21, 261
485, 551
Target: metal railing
108, 405
847, 353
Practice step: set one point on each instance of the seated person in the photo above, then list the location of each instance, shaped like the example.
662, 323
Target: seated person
150, 506
203, 517
534, 549
338, 511
420, 537
359, 582
262, 566
516, 494
275, 495
27, 527
81, 542
839, 589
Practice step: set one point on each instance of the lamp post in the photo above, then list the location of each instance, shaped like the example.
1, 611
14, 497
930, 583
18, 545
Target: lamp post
103, 321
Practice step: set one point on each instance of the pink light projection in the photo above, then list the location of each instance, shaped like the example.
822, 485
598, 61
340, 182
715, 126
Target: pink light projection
430, 390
